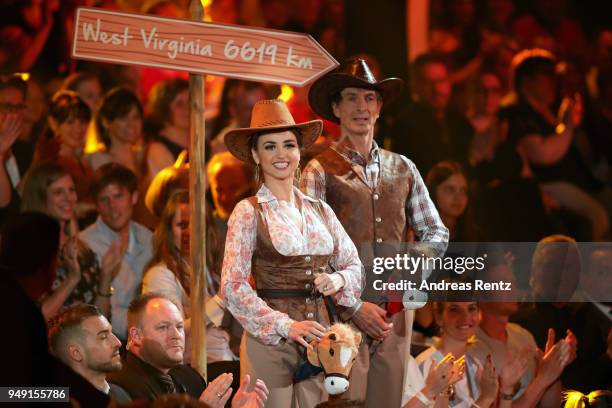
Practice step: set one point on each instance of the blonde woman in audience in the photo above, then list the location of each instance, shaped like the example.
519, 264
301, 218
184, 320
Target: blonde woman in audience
458, 321
50, 189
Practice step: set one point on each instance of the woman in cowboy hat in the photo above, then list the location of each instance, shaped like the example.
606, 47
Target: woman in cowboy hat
280, 250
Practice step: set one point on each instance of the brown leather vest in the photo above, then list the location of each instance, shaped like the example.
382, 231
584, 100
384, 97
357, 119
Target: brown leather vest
272, 270
373, 218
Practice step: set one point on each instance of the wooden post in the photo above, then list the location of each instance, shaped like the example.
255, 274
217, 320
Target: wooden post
197, 206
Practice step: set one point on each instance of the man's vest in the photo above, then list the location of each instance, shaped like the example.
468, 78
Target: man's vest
373, 218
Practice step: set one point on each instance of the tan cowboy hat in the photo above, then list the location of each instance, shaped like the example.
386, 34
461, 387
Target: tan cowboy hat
270, 114
353, 73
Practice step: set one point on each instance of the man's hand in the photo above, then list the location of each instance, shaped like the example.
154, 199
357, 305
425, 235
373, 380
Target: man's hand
513, 369
111, 261
572, 341
555, 358
218, 392
370, 319
256, 398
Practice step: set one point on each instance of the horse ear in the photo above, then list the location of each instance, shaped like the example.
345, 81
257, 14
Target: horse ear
313, 356
358, 339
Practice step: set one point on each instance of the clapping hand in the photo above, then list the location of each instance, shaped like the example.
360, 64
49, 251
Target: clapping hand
256, 398
218, 391
111, 261
70, 257
512, 371
489, 385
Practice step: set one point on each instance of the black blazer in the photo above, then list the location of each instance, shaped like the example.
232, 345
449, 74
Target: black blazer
137, 378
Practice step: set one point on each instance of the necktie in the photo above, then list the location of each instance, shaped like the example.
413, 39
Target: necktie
167, 383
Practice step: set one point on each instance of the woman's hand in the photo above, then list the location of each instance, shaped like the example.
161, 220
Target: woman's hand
439, 377
487, 379
306, 329
71, 259
329, 283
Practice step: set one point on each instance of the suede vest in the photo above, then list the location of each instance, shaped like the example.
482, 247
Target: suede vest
274, 271
374, 219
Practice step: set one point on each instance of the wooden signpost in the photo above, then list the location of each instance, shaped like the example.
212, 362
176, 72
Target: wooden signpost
247, 53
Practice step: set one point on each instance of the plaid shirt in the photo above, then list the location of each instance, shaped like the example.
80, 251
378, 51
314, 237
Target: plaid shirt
421, 212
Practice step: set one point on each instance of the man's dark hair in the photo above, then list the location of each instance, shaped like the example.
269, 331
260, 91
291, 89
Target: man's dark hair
14, 81
528, 63
29, 244
416, 68
67, 324
113, 173
138, 305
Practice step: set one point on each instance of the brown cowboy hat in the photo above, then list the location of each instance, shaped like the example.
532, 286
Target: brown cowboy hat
270, 114
354, 73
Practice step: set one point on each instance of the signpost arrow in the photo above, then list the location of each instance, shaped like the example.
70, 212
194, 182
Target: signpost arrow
248, 53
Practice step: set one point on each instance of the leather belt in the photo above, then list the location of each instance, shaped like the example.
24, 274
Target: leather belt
287, 293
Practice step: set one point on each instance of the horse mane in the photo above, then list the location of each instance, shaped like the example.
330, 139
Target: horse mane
345, 333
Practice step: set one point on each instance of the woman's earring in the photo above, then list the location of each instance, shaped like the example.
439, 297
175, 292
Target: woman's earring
256, 177
298, 173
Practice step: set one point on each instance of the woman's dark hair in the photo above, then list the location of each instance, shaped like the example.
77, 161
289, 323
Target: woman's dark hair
164, 248
255, 136
74, 80
68, 104
160, 98
14, 81
117, 103
438, 174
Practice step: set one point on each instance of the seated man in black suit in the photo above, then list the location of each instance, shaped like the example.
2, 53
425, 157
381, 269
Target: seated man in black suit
82, 338
153, 364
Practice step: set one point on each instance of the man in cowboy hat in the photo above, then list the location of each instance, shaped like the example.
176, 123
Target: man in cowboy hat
378, 196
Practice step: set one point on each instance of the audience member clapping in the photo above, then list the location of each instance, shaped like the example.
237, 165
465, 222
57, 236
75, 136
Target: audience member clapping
121, 245
50, 189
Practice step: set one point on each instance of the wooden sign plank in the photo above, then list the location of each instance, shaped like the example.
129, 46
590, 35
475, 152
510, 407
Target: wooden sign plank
241, 52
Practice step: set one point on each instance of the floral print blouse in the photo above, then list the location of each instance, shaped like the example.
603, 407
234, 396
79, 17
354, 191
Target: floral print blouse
316, 238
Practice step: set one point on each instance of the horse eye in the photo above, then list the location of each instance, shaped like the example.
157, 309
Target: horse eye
331, 351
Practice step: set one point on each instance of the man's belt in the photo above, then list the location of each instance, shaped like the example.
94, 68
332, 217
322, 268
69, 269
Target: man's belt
287, 293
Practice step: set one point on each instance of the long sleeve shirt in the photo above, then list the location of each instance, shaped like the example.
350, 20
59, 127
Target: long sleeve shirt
317, 237
421, 212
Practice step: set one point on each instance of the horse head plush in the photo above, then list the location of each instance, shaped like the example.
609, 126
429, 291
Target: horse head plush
335, 354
